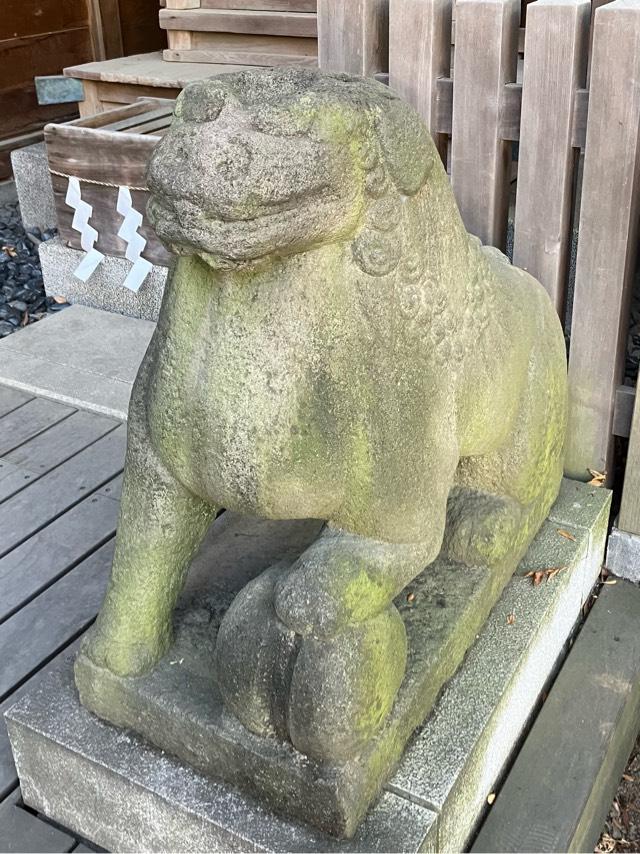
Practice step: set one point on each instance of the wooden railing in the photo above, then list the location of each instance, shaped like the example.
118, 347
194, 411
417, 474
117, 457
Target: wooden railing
570, 96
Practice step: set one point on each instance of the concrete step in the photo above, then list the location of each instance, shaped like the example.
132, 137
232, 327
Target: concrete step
557, 795
81, 356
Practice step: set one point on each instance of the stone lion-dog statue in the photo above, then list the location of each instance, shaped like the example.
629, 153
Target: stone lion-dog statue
332, 345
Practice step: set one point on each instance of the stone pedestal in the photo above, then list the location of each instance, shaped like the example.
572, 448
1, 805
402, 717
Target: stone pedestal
623, 554
111, 786
104, 289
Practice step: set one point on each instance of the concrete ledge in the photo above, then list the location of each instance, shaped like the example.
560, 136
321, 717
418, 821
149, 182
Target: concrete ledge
79, 356
33, 186
560, 788
104, 290
623, 554
67, 759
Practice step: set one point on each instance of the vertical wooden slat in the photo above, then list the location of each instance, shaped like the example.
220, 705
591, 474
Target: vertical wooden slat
419, 54
96, 33
555, 63
353, 36
485, 61
629, 518
608, 236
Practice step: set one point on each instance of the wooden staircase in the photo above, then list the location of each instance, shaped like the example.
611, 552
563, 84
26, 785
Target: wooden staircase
241, 32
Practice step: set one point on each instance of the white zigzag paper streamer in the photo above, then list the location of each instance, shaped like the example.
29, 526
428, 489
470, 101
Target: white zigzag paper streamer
88, 234
135, 242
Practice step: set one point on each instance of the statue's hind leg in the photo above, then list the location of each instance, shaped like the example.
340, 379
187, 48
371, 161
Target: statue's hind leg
500, 499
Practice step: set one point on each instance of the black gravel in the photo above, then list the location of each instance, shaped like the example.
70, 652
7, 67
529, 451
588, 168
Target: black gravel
22, 296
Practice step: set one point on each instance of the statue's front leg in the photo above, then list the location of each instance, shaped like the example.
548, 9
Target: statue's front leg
161, 525
317, 652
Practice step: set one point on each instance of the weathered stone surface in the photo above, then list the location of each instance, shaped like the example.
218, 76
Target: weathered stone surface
332, 344
462, 749
113, 789
580, 742
623, 554
150, 802
104, 289
33, 186
80, 356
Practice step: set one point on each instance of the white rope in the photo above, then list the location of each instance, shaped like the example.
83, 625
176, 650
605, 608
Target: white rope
97, 183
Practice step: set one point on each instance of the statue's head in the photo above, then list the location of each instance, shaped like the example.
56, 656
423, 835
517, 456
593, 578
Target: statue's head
280, 161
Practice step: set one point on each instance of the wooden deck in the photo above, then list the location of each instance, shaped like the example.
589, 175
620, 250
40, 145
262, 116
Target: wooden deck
60, 479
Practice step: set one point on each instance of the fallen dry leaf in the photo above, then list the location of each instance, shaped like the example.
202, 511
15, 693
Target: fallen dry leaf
59, 299
611, 581
411, 597
597, 477
10, 250
539, 575
628, 778
491, 798
511, 618
566, 534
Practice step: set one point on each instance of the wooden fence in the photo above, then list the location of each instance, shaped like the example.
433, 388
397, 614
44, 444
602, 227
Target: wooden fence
566, 89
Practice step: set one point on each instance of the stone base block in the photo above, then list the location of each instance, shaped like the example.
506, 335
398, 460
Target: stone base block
33, 185
112, 787
623, 554
104, 289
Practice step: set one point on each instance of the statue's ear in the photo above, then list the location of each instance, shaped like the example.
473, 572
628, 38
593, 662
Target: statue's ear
408, 150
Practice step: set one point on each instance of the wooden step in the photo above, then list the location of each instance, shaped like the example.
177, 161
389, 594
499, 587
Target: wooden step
557, 795
262, 5
240, 49
244, 5
292, 24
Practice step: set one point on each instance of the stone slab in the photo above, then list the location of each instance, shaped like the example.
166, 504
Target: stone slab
104, 289
623, 554
80, 356
463, 748
179, 708
135, 798
581, 740
449, 768
33, 186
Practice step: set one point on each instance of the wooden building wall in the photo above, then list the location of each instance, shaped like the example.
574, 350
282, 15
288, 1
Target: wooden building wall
40, 37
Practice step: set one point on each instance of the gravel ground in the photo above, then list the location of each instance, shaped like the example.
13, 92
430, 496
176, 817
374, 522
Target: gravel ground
622, 828
22, 296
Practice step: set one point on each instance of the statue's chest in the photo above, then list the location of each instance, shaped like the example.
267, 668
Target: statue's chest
238, 398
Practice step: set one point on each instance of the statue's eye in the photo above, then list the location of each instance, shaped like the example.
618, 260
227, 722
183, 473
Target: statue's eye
200, 103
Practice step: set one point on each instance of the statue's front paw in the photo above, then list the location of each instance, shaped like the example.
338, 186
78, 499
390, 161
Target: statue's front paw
323, 596
343, 687
255, 654
327, 695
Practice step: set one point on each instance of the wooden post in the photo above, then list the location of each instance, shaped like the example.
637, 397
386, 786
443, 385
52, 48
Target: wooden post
353, 36
419, 55
608, 236
629, 518
555, 64
486, 54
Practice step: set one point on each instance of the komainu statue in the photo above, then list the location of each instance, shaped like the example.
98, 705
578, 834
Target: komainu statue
332, 345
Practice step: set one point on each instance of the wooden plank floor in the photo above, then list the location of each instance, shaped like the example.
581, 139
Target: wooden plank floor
60, 479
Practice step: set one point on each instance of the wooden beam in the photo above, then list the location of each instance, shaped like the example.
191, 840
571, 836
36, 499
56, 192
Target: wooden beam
295, 24
555, 66
629, 518
353, 36
420, 59
608, 238
480, 158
